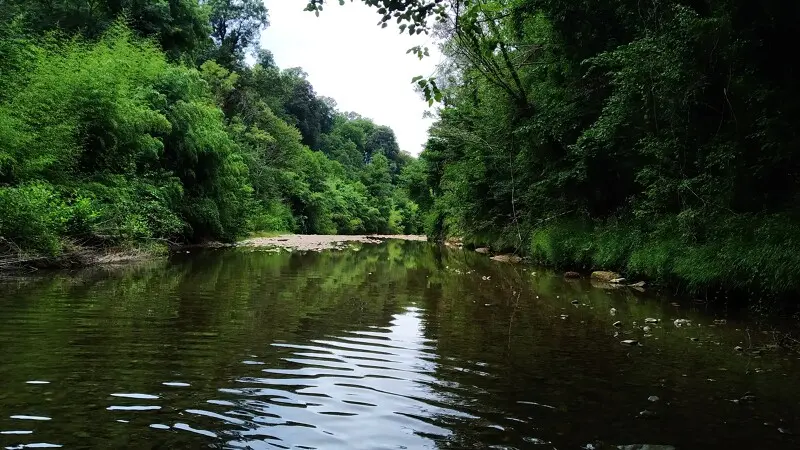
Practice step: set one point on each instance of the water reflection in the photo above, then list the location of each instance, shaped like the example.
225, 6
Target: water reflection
365, 389
405, 345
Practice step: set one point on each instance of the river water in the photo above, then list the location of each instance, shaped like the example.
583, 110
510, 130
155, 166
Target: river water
403, 345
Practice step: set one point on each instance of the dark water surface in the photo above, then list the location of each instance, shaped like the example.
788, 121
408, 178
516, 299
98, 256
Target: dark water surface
402, 345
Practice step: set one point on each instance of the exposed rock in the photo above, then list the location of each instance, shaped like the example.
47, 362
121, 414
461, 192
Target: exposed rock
647, 414
618, 324
638, 284
651, 320
514, 259
605, 285
572, 275
575, 302
617, 280
483, 250
738, 348
629, 342
653, 398
613, 311
682, 322
603, 275
646, 329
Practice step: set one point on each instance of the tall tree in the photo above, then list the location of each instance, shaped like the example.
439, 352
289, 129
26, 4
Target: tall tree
235, 27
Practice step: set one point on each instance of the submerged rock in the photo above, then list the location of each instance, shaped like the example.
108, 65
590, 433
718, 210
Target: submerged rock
514, 259
483, 250
638, 284
572, 275
603, 275
645, 447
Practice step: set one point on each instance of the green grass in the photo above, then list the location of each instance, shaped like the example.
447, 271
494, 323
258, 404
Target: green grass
754, 253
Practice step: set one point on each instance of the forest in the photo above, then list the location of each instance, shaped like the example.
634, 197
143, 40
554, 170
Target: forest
658, 138
135, 121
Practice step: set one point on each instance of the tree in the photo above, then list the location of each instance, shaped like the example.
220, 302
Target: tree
235, 28
180, 26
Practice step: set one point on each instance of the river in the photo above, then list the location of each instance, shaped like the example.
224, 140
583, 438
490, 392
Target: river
402, 345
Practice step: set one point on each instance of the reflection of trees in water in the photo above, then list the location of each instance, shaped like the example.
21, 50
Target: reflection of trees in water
199, 316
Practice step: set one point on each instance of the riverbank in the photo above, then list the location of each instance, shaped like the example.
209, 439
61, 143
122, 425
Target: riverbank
15, 259
734, 259
319, 242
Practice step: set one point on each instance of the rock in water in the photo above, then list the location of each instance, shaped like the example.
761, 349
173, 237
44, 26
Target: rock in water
618, 324
572, 275
483, 250
514, 259
629, 342
603, 275
653, 398
575, 302
617, 281
651, 320
681, 322
638, 284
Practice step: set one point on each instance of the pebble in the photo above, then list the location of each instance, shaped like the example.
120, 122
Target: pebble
681, 322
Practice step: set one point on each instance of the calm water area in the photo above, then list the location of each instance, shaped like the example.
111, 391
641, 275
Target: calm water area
402, 345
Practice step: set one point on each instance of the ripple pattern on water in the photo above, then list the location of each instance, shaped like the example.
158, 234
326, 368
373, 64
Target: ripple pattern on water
331, 387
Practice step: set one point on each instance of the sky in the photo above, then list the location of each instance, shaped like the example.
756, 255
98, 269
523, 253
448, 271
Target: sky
349, 58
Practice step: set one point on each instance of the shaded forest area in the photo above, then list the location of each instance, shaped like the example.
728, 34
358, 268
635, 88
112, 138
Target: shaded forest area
136, 121
657, 137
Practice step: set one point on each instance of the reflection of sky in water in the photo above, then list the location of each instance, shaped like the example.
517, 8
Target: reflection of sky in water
366, 389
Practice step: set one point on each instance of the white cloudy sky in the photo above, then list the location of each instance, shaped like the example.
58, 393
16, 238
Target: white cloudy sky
351, 59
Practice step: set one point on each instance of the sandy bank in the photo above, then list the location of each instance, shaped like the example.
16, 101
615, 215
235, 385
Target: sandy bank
316, 242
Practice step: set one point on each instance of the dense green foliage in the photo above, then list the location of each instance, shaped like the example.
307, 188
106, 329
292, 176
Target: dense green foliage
659, 137
140, 120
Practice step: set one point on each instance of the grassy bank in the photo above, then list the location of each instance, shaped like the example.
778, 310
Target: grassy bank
749, 254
